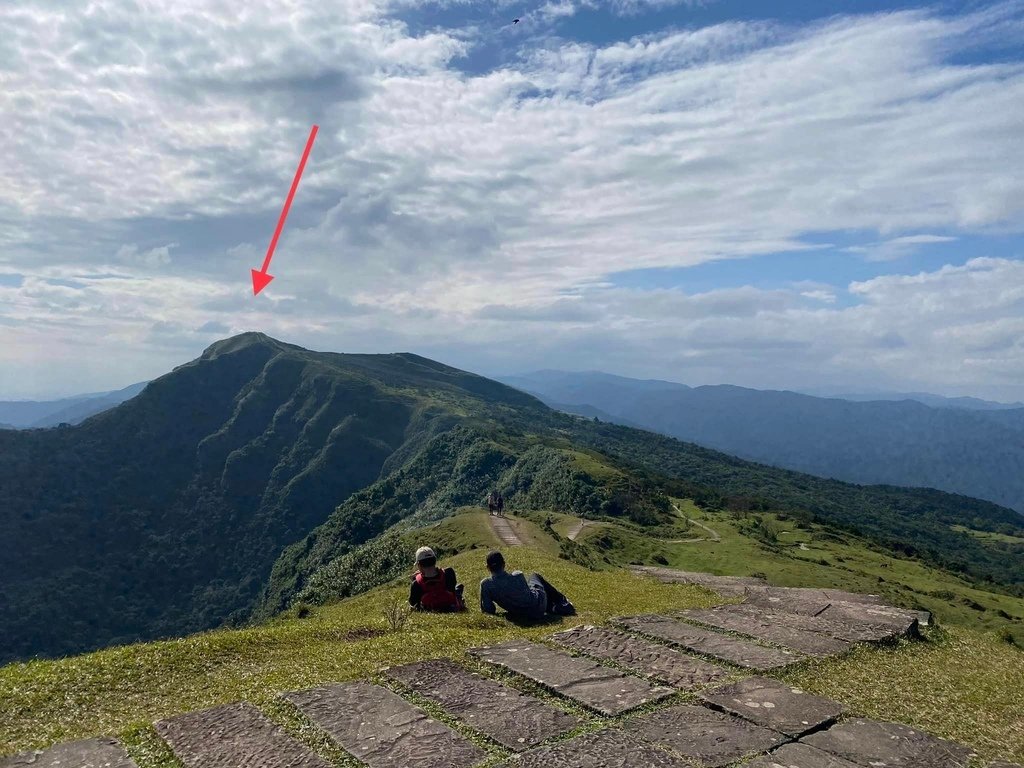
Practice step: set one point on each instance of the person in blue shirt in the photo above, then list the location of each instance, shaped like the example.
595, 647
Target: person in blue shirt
522, 598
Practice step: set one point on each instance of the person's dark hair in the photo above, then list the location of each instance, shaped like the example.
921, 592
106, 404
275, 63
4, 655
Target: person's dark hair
428, 562
495, 562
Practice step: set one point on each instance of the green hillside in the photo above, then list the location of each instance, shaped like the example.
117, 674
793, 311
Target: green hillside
954, 683
900, 442
262, 474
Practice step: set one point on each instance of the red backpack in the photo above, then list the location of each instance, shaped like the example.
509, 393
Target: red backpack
436, 596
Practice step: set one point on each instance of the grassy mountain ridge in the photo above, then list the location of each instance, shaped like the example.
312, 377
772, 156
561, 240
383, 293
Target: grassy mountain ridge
953, 684
977, 453
242, 480
913, 521
121, 526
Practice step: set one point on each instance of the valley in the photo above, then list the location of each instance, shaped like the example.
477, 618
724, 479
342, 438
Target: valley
262, 475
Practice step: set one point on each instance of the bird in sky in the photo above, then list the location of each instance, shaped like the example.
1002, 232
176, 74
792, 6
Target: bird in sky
515, 21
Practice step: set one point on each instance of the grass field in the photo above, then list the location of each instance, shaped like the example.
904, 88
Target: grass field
813, 556
958, 684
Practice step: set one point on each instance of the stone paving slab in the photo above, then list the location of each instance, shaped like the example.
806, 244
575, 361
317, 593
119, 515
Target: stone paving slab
382, 729
799, 755
820, 603
604, 749
851, 631
231, 736
88, 753
872, 743
509, 717
634, 653
774, 705
599, 688
743, 653
724, 585
905, 623
762, 627
708, 738
811, 594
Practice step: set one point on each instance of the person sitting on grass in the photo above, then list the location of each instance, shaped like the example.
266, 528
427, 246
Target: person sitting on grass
433, 588
522, 598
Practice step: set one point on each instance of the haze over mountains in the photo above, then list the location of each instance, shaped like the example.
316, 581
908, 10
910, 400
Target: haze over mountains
33, 414
977, 452
242, 481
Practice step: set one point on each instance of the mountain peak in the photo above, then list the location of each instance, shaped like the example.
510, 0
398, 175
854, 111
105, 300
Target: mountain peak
239, 342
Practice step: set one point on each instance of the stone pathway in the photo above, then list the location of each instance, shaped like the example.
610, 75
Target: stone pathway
742, 653
865, 632
382, 729
233, 735
599, 688
642, 656
505, 532
90, 753
512, 719
762, 627
753, 718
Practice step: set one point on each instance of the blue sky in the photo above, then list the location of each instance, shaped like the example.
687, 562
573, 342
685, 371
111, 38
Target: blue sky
803, 195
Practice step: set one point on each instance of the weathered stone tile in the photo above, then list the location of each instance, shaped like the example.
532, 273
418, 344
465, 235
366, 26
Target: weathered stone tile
743, 653
382, 729
708, 738
231, 736
849, 630
774, 705
830, 604
763, 627
634, 653
812, 594
892, 745
509, 717
904, 623
88, 753
599, 688
798, 755
604, 749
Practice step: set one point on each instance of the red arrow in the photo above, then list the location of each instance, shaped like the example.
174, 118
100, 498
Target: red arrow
260, 279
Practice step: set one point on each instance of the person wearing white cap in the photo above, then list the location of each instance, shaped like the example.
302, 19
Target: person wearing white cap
433, 588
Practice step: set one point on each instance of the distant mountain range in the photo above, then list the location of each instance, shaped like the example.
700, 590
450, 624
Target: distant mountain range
32, 414
935, 401
241, 482
976, 450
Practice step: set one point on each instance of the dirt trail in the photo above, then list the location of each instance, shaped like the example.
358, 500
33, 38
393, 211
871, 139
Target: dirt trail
578, 528
711, 532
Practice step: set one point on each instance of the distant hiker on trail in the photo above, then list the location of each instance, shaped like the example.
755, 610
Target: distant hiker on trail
521, 597
499, 504
433, 588
492, 501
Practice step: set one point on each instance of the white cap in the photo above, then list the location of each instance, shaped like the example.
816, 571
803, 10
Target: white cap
424, 553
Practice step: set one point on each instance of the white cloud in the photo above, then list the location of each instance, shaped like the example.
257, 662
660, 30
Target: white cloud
897, 247
441, 208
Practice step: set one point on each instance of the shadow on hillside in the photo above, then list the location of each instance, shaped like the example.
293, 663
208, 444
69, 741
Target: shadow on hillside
525, 623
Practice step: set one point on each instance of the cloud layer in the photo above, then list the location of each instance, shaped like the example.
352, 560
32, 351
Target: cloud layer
482, 218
